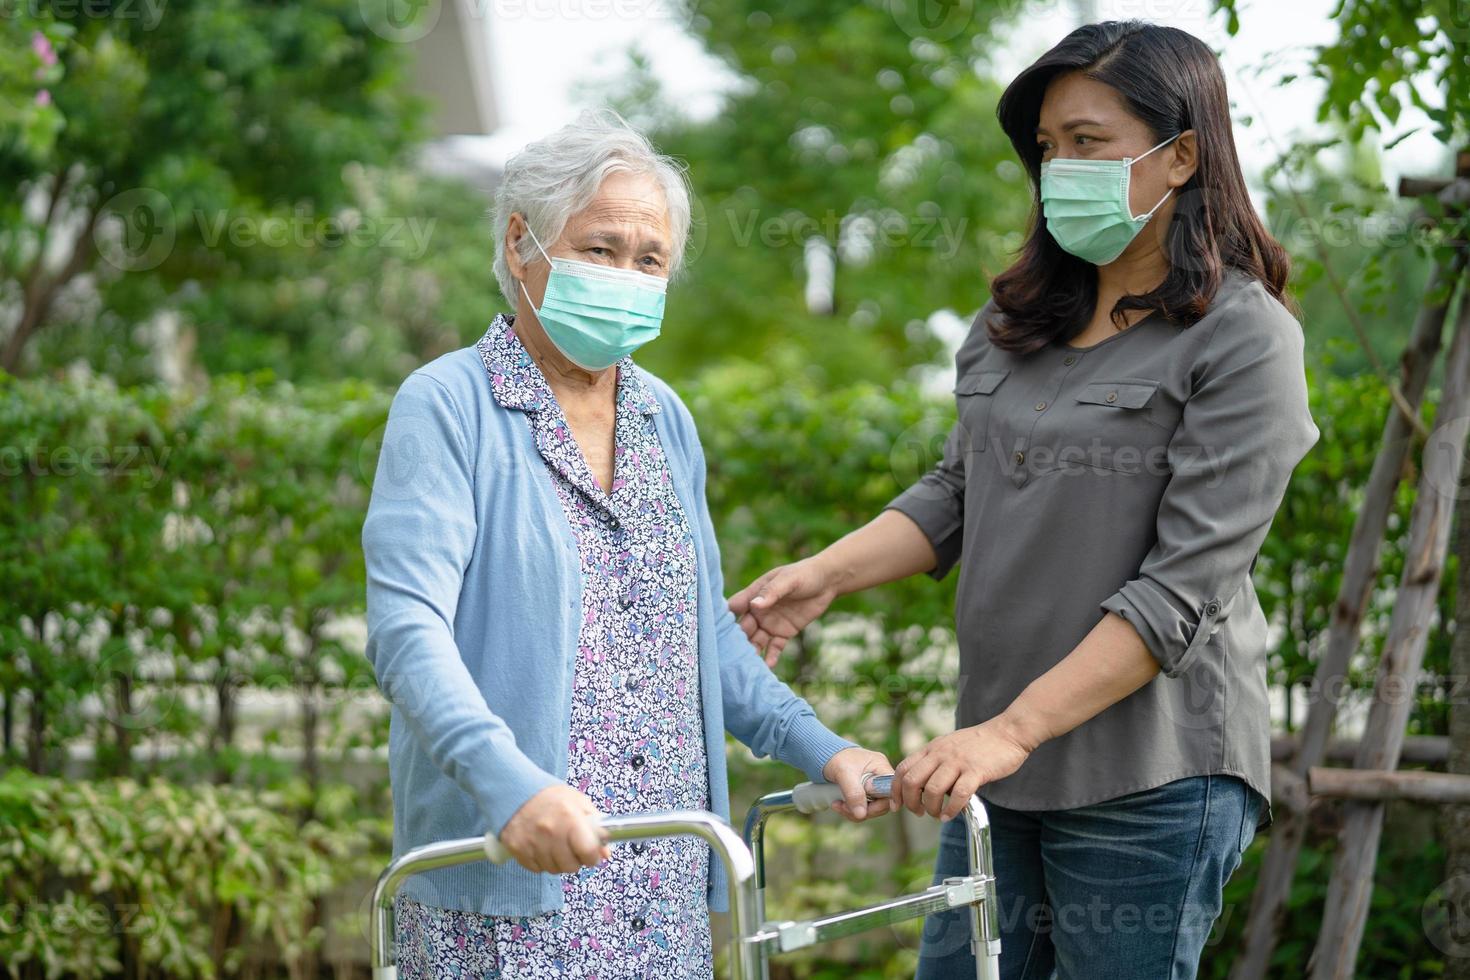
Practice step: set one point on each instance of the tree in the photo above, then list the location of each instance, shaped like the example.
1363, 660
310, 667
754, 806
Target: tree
862, 130
180, 134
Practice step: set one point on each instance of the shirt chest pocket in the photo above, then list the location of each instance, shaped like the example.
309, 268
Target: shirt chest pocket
1123, 425
974, 395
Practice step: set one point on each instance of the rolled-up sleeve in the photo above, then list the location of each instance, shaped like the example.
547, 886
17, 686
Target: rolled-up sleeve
1244, 429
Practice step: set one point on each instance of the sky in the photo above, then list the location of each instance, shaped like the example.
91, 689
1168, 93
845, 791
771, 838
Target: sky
551, 57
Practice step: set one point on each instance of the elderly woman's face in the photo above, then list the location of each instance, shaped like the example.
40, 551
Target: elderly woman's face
626, 226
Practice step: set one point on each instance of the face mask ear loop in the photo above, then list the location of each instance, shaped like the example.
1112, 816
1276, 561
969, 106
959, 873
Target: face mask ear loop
528, 301
548, 262
543, 251
1130, 162
1147, 215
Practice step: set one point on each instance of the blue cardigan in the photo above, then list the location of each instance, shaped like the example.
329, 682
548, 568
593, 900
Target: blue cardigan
473, 613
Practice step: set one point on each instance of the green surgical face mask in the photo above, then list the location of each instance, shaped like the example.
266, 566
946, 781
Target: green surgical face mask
1086, 206
595, 314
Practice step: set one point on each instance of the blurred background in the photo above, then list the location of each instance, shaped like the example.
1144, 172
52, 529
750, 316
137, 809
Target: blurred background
230, 228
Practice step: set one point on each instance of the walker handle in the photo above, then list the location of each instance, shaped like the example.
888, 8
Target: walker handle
813, 797
495, 852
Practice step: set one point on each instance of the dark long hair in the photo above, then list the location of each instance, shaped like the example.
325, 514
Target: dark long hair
1172, 82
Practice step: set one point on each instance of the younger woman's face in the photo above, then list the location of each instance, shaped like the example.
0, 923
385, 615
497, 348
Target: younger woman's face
1085, 119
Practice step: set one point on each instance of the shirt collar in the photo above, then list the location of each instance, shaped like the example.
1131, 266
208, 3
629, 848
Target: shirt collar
517, 381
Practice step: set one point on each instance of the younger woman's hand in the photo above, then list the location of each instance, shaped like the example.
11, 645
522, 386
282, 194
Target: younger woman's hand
780, 604
957, 765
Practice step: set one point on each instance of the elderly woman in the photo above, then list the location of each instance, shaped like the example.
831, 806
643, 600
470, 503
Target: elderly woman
545, 604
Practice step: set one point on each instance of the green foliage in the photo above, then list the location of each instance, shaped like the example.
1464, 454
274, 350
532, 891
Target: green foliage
158, 879
1362, 254
159, 544
398, 275
30, 67
152, 186
1390, 53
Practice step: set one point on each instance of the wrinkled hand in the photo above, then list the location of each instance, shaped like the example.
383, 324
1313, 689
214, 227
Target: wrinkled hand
846, 769
780, 604
958, 764
556, 830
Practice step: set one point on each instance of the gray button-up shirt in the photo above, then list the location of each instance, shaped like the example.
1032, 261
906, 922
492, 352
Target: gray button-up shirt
1139, 475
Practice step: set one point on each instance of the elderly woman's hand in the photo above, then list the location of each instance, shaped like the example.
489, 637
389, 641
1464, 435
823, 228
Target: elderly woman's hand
556, 830
847, 769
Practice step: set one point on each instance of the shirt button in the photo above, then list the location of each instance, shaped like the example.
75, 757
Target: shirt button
1040, 406
1020, 457
637, 761
1212, 607
1070, 359
1112, 396
639, 847
638, 923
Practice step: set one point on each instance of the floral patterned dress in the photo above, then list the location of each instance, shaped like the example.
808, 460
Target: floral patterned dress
637, 732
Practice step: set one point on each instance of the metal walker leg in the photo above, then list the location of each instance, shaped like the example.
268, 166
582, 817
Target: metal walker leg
977, 890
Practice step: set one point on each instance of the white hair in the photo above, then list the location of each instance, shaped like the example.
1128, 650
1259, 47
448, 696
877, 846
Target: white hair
555, 177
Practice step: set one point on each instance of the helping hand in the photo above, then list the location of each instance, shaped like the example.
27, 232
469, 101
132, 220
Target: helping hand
958, 764
780, 604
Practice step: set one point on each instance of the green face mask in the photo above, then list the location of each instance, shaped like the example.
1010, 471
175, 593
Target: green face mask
596, 314
1086, 206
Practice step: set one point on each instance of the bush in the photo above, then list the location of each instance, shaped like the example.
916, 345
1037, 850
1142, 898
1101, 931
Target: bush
121, 878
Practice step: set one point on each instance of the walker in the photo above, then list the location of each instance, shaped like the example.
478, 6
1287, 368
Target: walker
753, 940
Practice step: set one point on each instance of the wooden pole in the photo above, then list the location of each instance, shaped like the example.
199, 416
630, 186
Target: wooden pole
1379, 785
1278, 868
1403, 652
1419, 750
1454, 830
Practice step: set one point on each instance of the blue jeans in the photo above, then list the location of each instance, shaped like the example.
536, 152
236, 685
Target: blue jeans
1128, 888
